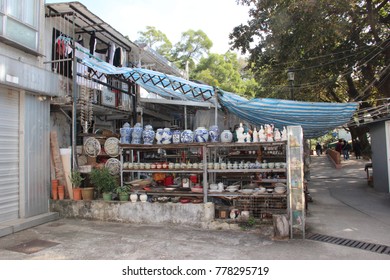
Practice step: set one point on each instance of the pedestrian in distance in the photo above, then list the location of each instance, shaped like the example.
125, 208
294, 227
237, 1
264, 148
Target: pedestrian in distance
345, 149
319, 149
339, 146
357, 148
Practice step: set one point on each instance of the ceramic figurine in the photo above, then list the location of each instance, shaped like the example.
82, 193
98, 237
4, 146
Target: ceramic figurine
269, 133
261, 133
241, 136
255, 136
284, 134
277, 135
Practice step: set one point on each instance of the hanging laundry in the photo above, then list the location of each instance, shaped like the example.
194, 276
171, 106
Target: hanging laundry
118, 57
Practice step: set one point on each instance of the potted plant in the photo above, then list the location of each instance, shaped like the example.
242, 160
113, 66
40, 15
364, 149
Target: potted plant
76, 179
104, 182
123, 192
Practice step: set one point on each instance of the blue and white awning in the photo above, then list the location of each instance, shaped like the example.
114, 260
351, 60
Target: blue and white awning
316, 118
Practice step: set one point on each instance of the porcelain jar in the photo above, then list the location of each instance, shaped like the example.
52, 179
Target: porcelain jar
148, 135
166, 136
143, 197
214, 133
159, 135
176, 136
125, 132
187, 136
226, 136
201, 134
133, 197
136, 136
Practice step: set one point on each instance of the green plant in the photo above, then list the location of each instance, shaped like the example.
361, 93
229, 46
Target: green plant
125, 189
103, 180
76, 178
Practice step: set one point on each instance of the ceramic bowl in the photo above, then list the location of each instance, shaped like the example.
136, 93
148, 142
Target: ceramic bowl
213, 187
280, 190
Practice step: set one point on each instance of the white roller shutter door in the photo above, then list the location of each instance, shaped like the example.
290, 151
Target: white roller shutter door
9, 155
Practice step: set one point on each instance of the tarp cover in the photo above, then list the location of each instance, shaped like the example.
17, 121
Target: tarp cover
316, 118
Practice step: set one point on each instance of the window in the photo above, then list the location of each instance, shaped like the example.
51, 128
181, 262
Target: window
21, 21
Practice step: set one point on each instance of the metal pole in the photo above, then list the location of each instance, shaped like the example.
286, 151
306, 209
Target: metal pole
185, 117
292, 89
216, 107
74, 104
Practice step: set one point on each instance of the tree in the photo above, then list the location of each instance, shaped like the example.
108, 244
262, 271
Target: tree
156, 40
192, 46
340, 50
226, 72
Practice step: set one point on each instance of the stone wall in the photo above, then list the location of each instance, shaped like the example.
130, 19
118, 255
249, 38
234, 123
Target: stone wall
189, 214
334, 157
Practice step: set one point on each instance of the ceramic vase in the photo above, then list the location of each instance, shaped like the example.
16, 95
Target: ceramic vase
133, 197
187, 136
226, 136
143, 197
125, 132
176, 136
166, 136
159, 135
148, 135
136, 136
201, 134
214, 133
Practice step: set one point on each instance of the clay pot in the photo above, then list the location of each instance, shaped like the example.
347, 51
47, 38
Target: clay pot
87, 193
76, 194
54, 189
61, 192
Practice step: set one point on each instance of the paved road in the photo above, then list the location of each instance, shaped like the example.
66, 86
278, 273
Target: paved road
343, 206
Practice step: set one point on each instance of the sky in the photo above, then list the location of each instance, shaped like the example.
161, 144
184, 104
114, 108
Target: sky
216, 18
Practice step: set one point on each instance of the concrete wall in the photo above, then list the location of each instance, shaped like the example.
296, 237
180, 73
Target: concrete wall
198, 215
379, 157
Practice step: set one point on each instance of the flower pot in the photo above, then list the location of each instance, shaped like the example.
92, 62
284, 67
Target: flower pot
61, 192
76, 194
107, 196
87, 193
54, 189
123, 197
134, 197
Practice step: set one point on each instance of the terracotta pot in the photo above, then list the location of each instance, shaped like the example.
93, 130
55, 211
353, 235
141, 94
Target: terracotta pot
61, 192
87, 193
76, 194
54, 189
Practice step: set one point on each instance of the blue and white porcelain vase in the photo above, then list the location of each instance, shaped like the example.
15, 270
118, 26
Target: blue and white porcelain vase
226, 136
125, 132
136, 136
148, 135
167, 136
187, 136
214, 133
159, 135
176, 136
201, 134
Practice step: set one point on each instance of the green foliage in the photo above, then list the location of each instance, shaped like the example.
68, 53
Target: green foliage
125, 189
76, 178
156, 40
103, 180
248, 224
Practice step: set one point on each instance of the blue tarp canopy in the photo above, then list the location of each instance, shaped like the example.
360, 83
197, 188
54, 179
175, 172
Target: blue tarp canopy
316, 118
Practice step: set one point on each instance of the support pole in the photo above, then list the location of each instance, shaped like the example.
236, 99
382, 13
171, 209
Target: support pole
74, 103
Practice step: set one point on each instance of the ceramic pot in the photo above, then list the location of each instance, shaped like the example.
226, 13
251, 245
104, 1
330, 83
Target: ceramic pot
226, 136
61, 192
136, 136
127, 130
133, 197
87, 193
201, 134
187, 136
143, 197
107, 196
123, 197
166, 136
148, 135
176, 136
159, 135
76, 194
214, 133
54, 189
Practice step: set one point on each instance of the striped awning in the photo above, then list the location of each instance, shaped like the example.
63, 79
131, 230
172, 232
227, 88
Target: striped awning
316, 118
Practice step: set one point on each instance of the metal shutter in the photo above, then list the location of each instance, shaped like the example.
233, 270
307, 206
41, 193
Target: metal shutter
9, 155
